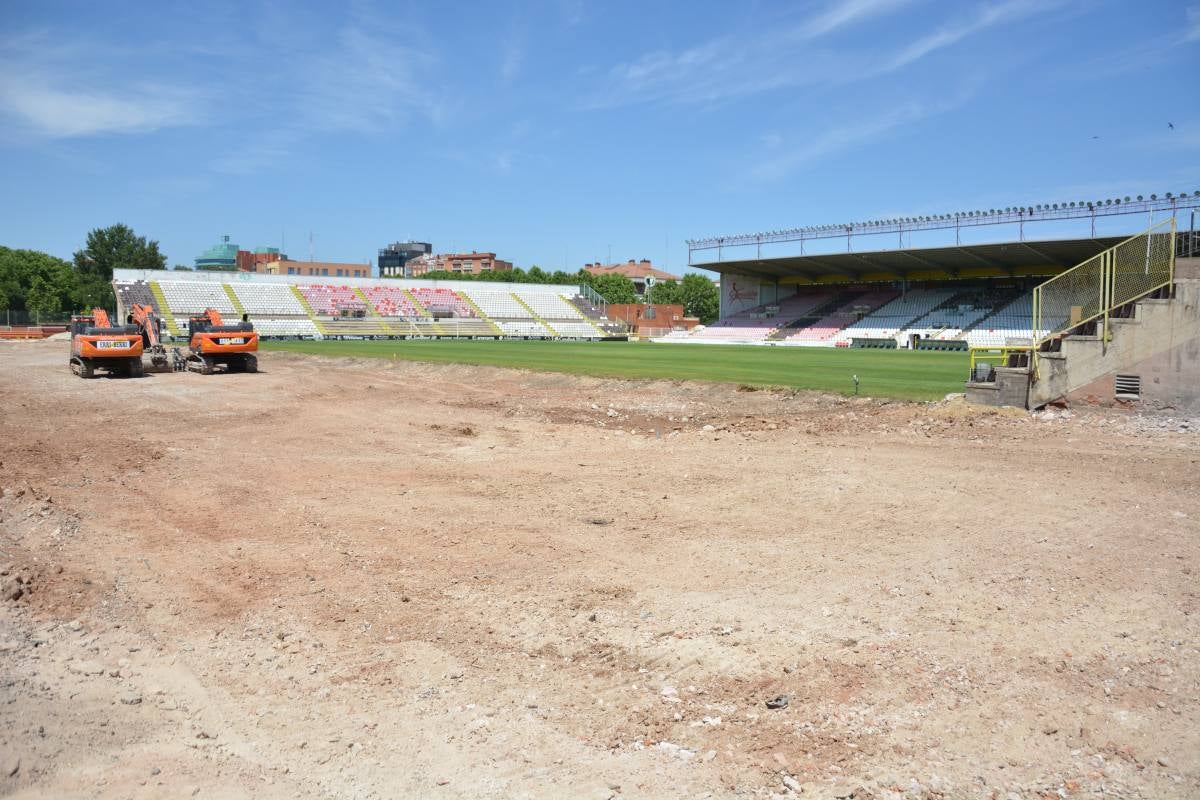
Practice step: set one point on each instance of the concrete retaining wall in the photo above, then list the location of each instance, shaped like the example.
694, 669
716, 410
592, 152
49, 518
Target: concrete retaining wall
1161, 345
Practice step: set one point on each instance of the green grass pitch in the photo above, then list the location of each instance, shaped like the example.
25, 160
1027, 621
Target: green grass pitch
900, 374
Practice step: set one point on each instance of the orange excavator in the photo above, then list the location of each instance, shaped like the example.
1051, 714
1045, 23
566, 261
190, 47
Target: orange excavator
149, 326
211, 343
97, 344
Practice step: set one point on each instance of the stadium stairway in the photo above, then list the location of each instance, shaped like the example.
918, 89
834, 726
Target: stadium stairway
233, 298
1001, 300
394, 327
168, 316
371, 310
479, 312
428, 327
593, 323
820, 312
1143, 351
308, 309
417, 304
1158, 346
951, 302
533, 313
355, 328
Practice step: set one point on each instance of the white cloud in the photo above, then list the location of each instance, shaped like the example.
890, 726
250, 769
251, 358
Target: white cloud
735, 66
845, 12
1192, 33
510, 65
573, 12
361, 76
61, 112
364, 82
255, 153
729, 65
985, 17
771, 140
834, 140
60, 90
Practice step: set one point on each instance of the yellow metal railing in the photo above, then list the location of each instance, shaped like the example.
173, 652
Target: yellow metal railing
1091, 291
999, 356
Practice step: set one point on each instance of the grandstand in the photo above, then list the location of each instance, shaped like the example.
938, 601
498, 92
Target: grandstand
896, 316
760, 322
307, 307
1043, 319
967, 293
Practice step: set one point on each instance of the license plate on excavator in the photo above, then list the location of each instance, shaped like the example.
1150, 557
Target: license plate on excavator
121, 345
231, 341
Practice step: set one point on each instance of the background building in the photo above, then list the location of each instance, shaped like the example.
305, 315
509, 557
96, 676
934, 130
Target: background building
248, 261
223, 256
227, 256
323, 269
394, 259
651, 319
466, 263
636, 271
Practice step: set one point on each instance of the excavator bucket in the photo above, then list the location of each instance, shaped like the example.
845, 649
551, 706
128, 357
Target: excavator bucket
157, 359
154, 355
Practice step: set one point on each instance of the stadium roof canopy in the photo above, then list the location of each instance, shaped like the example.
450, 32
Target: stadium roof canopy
1000, 260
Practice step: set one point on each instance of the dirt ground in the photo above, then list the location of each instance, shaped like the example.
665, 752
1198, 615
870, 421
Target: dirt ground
367, 579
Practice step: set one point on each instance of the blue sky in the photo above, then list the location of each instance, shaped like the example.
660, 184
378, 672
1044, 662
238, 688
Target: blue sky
554, 132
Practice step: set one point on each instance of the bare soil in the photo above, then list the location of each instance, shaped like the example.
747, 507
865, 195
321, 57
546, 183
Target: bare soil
364, 579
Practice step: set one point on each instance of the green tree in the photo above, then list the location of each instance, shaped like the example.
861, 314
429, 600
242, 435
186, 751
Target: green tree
615, 288
667, 293
117, 247
700, 297
10, 284
91, 291
43, 297
21, 270
537, 275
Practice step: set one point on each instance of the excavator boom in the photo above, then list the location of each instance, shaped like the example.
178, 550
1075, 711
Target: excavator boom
147, 323
144, 317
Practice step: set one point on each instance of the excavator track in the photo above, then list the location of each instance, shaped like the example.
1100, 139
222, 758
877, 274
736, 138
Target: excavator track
212, 343
82, 368
199, 363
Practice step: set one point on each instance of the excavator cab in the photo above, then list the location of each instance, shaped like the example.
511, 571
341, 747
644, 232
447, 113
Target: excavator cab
96, 344
212, 343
